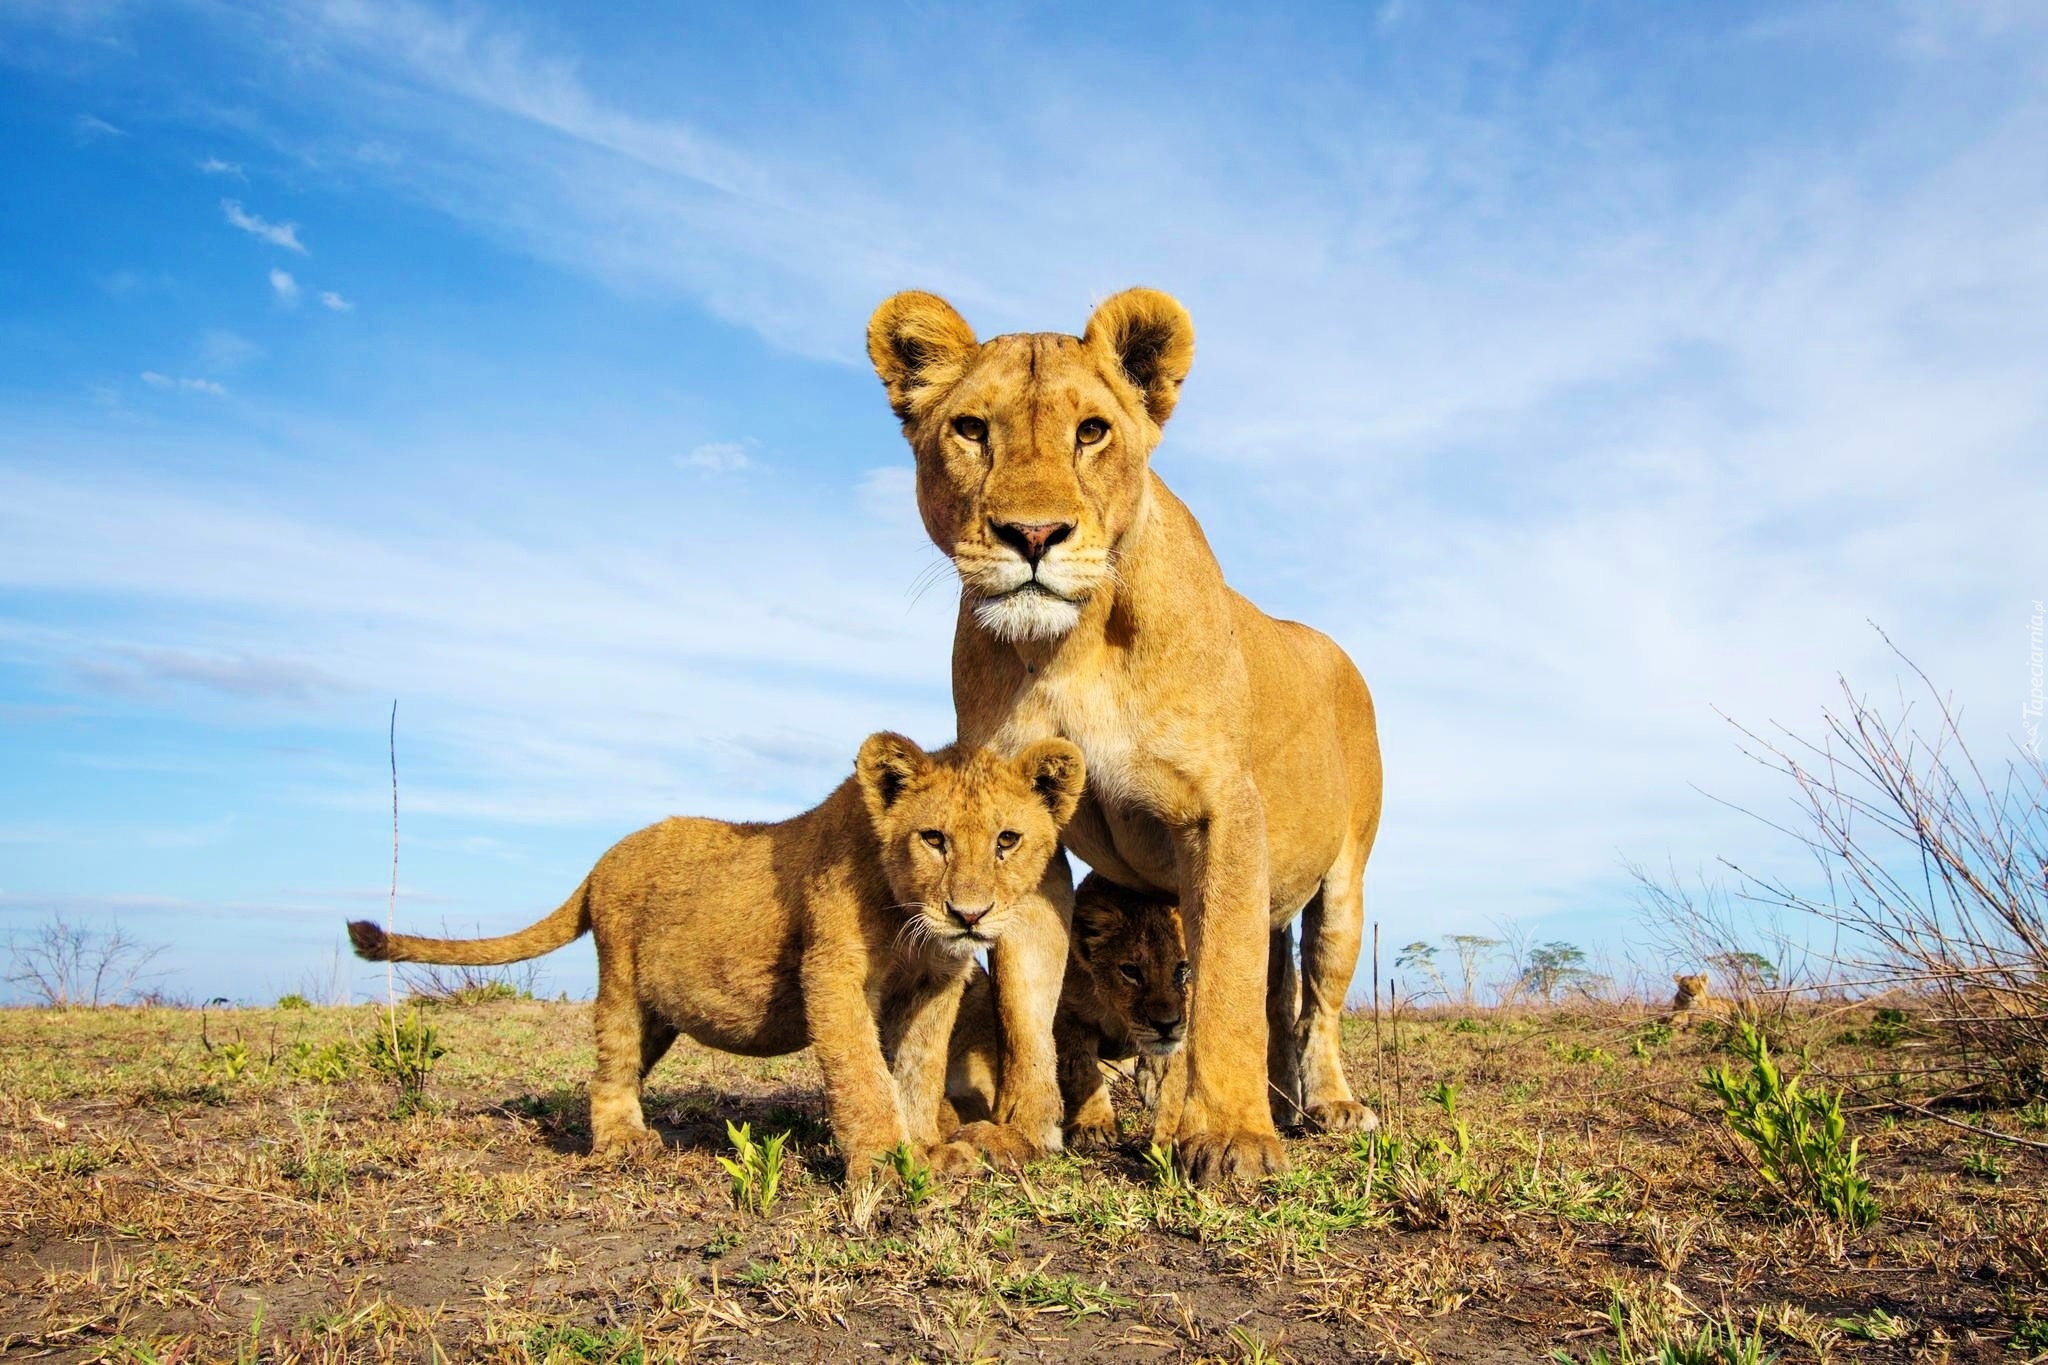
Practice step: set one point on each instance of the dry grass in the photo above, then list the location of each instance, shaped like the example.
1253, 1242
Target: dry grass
162, 1202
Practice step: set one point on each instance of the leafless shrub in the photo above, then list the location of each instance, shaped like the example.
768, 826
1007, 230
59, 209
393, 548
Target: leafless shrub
437, 985
1935, 871
65, 964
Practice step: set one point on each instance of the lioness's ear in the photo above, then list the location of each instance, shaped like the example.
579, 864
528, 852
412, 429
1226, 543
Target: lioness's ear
1152, 338
919, 347
1056, 772
887, 764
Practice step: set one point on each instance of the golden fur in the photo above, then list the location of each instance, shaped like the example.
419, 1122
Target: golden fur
1233, 762
1693, 1001
849, 928
1124, 998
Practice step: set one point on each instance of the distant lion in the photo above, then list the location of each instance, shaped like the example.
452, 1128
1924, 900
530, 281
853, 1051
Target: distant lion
849, 929
1124, 998
1694, 1002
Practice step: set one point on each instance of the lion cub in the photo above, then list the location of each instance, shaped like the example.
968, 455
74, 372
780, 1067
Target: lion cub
1124, 996
849, 928
1693, 1002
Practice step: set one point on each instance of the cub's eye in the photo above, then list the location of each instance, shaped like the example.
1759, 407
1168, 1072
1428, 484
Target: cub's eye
1131, 972
971, 428
1008, 840
934, 839
1181, 975
1091, 431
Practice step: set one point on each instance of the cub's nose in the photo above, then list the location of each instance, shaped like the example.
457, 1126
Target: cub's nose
1167, 1027
1031, 538
967, 917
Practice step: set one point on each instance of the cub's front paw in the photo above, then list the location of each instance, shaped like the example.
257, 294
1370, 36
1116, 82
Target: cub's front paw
1342, 1116
1000, 1142
954, 1158
1207, 1158
1092, 1135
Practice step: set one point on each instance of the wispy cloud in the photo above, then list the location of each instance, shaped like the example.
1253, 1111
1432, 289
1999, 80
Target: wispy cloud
223, 352
139, 670
335, 303
213, 165
285, 288
718, 457
187, 384
285, 235
91, 128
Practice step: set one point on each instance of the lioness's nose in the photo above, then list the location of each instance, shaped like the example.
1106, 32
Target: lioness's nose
968, 917
1031, 538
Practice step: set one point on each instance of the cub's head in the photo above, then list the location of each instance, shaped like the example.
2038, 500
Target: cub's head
1131, 946
1031, 448
964, 834
1690, 988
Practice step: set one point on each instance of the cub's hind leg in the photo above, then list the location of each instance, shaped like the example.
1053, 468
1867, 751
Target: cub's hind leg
1331, 927
624, 1051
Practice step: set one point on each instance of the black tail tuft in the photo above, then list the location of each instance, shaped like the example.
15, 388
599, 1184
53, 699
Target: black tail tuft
368, 938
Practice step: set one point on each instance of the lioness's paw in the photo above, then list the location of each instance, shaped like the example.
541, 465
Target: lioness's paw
1342, 1116
1091, 1135
1000, 1142
1206, 1158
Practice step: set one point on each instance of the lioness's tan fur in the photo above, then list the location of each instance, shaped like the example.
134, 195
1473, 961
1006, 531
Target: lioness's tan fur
1233, 760
1693, 1001
1124, 997
849, 928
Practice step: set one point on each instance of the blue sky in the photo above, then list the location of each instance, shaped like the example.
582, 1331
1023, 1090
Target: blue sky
1581, 368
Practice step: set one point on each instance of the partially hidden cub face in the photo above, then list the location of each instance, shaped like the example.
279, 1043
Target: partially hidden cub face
1691, 990
1132, 947
963, 836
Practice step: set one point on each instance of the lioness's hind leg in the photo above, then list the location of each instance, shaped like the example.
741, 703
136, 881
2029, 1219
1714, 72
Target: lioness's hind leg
1331, 927
1283, 1004
622, 1039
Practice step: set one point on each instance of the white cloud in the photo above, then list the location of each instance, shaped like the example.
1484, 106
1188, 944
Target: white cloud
213, 165
334, 302
285, 287
285, 235
222, 351
718, 457
163, 381
91, 128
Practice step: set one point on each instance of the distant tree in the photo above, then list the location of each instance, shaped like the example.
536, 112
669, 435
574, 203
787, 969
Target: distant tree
1551, 966
1472, 950
1420, 956
62, 964
1745, 973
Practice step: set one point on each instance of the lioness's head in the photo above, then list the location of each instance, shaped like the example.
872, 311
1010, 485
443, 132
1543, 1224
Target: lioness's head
1690, 988
963, 835
1031, 448
1132, 948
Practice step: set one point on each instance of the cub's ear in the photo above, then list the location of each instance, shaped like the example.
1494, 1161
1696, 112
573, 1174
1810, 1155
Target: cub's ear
1152, 338
887, 764
920, 348
1096, 920
1055, 770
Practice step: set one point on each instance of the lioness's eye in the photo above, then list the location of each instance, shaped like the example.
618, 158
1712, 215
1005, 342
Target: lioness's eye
934, 838
1131, 972
971, 428
1091, 431
1008, 839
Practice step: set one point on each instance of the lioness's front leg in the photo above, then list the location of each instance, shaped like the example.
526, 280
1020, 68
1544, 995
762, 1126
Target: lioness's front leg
1226, 1127
1029, 964
860, 1093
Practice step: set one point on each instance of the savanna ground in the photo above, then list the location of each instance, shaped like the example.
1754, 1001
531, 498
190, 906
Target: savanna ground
261, 1199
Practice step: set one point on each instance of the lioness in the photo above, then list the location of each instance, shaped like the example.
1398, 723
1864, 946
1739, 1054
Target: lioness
1124, 997
1233, 761
849, 928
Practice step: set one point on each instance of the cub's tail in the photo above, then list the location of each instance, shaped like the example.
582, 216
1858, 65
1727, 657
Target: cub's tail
569, 922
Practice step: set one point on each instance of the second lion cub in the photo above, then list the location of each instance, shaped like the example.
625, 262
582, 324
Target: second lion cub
849, 928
